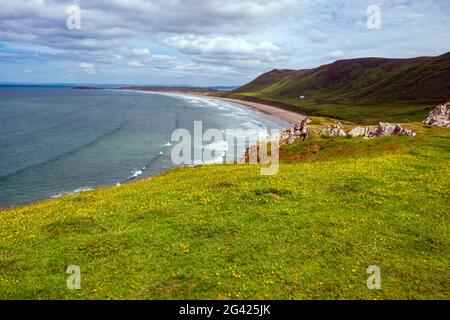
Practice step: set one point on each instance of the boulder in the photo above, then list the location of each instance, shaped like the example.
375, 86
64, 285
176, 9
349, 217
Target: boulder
359, 132
335, 130
440, 116
299, 131
383, 129
388, 129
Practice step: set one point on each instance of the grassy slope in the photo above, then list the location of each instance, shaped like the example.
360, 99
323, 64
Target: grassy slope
225, 231
361, 90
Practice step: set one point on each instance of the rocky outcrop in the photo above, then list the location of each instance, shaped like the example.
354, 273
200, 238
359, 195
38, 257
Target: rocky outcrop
383, 129
359, 132
440, 116
299, 131
388, 129
335, 130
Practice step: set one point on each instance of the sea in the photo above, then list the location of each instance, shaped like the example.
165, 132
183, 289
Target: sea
57, 140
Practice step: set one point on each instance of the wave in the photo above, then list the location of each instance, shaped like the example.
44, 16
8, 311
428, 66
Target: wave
68, 193
139, 172
135, 174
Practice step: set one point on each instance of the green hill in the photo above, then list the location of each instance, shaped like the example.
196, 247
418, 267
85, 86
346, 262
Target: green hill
363, 90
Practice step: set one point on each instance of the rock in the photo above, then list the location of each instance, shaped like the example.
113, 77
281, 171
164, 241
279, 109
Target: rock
384, 129
299, 131
335, 130
440, 116
359, 132
388, 129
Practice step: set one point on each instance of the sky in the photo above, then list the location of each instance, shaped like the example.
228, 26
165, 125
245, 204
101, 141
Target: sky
206, 42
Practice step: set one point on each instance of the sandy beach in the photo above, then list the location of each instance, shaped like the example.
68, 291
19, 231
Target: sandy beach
289, 116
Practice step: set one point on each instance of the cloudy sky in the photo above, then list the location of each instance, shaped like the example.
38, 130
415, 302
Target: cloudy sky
206, 42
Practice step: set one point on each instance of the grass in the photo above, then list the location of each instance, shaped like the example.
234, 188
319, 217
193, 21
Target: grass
226, 232
368, 113
323, 147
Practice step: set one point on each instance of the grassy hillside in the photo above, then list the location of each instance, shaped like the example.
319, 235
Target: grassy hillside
337, 206
364, 90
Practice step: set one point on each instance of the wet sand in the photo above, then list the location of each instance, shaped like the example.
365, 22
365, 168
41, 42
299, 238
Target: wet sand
289, 116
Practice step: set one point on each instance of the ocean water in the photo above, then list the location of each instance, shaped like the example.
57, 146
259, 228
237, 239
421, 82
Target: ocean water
56, 140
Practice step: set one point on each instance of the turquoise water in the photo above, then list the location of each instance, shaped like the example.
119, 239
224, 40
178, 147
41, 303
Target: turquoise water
57, 141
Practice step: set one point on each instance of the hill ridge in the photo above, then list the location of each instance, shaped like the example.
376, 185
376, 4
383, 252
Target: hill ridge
421, 81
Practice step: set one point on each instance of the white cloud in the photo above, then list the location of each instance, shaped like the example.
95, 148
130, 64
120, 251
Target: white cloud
218, 45
87, 67
318, 36
230, 38
337, 54
228, 51
136, 64
140, 52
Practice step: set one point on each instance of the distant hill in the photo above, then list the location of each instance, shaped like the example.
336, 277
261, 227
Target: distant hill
414, 83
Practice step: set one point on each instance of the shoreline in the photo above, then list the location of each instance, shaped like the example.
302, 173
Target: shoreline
289, 116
